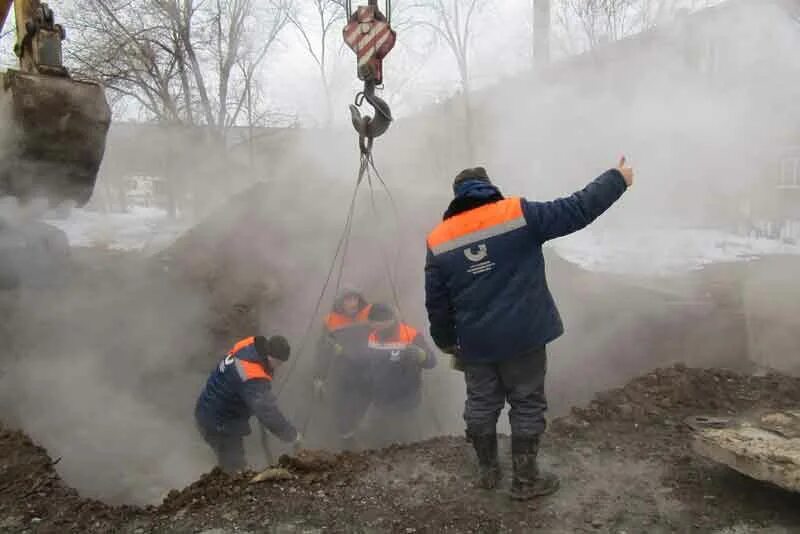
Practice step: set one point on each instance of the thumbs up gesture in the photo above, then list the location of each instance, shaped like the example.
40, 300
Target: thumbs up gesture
625, 171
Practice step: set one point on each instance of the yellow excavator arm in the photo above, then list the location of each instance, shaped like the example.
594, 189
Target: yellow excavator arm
54, 127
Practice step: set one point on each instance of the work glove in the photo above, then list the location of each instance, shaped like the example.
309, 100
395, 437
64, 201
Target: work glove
297, 444
319, 388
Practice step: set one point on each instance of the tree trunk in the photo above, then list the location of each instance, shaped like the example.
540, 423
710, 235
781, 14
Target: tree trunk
541, 33
469, 130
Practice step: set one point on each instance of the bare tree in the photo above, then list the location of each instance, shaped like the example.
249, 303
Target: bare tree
540, 28
179, 61
585, 24
592, 22
451, 21
316, 25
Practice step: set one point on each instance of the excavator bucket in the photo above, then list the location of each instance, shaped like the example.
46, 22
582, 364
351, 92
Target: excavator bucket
53, 136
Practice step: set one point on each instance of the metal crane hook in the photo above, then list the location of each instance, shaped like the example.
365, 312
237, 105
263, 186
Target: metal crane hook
369, 128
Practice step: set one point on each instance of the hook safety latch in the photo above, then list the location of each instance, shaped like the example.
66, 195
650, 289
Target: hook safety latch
370, 127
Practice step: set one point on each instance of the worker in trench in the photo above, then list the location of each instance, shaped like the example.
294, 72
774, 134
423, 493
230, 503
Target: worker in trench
238, 388
489, 305
395, 356
337, 372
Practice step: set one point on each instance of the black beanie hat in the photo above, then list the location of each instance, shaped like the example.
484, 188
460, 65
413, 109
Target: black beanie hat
381, 312
475, 173
279, 348
276, 347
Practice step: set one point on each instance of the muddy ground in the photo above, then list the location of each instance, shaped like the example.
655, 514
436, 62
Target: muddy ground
105, 370
624, 459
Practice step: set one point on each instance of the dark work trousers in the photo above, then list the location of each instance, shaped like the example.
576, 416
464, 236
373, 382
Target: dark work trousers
351, 394
518, 381
351, 405
229, 449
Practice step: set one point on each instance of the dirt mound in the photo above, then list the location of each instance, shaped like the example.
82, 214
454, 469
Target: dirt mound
680, 391
309, 469
625, 463
33, 496
224, 255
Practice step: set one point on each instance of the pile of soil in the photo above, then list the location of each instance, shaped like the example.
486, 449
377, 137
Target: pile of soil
679, 391
32, 495
224, 256
625, 463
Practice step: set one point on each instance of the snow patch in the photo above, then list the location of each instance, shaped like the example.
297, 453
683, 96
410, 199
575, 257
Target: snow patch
663, 252
140, 229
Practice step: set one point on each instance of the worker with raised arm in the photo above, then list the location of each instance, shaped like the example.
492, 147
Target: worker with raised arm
489, 305
238, 388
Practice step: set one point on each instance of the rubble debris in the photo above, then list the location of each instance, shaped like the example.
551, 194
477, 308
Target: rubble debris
272, 474
308, 461
766, 448
625, 460
679, 392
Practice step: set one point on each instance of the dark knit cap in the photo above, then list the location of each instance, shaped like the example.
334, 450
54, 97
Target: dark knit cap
276, 347
381, 312
475, 173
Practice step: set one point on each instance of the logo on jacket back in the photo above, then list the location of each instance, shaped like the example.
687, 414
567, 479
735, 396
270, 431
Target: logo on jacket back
394, 348
478, 258
228, 360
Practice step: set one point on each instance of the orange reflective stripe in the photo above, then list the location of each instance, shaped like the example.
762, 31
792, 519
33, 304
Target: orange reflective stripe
337, 321
406, 333
363, 315
404, 336
246, 342
477, 225
250, 370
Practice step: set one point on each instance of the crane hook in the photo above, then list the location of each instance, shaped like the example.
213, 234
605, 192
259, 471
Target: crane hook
370, 127
369, 34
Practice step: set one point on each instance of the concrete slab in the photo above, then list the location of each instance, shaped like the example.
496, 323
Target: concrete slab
764, 447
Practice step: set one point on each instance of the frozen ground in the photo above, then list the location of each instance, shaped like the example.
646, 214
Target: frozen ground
645, 252
144, 229
663, 252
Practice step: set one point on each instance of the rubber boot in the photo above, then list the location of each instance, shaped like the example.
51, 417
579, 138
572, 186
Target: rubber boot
529, 481
488, 462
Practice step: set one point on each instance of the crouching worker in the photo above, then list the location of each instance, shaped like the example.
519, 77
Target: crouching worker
339, 371
237, 389
344, 334
397, 354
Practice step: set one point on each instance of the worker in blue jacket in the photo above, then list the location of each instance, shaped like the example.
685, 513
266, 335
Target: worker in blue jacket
396, 354
238, 388
488, 304
385, 378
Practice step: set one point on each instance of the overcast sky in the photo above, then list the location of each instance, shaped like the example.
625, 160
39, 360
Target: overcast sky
419, 70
